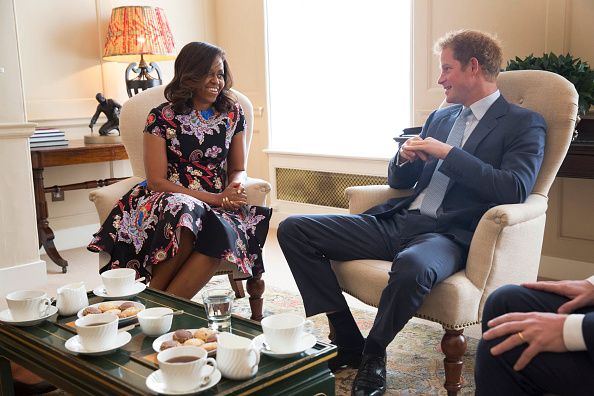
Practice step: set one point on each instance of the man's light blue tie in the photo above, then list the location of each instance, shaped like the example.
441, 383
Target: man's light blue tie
436, 189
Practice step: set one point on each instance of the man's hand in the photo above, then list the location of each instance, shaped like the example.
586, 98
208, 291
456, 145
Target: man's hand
581, 292
428, 147
543, 332
411, 155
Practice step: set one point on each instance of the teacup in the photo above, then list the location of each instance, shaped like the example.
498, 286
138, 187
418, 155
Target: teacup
237, 357
97, 332
153, 323
284, 332
182, 368
28, 304
119, 281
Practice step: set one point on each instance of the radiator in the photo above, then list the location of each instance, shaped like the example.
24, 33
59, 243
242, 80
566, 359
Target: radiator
319, 188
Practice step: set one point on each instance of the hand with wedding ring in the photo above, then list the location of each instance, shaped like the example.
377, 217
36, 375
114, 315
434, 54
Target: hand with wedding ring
233, 197
543, 332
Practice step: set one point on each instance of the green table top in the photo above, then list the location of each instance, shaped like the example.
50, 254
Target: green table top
125, 371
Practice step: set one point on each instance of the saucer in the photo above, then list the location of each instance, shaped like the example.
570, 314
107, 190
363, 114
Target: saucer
73, 345
6, 317
121, 320
155, 382
308, 341
137, 288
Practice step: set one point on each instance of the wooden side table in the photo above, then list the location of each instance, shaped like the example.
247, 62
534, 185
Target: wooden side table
77, 152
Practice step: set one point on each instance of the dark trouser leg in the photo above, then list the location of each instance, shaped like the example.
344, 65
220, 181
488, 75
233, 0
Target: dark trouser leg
426, 260
568, 373
310, 242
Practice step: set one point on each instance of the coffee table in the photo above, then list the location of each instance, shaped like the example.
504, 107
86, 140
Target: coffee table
123, 372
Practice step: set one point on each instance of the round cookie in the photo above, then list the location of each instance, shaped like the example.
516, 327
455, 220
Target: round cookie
182, 335
194, 342
125, 305
169, 344
206, 334
107, 306
209, 346
126, 313
91, 311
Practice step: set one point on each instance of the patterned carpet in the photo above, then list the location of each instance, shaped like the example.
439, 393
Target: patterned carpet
415, 362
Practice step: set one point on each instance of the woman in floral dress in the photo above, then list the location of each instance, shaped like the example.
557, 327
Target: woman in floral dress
192, 211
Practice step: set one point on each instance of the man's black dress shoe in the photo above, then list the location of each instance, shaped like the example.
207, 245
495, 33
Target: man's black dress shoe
22, 389
371, 377
350, 357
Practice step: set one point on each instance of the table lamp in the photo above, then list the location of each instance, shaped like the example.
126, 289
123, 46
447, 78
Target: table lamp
139, 30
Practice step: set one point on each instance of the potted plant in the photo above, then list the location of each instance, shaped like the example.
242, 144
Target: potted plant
573, 69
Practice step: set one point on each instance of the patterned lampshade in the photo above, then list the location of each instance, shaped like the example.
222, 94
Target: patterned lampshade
138, 30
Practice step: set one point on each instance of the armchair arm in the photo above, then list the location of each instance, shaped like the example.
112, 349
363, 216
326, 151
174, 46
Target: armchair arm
506, 245
257, 190
105, 198
362, 198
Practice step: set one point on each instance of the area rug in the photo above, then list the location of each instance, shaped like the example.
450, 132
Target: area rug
415, 361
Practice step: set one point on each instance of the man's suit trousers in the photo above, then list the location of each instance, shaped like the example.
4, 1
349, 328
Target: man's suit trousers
568, 373
420, 259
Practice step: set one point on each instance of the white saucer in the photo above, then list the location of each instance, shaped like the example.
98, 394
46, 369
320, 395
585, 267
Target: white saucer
137, 288
73, 345
122, 320
155, 382
6, 317
308, 341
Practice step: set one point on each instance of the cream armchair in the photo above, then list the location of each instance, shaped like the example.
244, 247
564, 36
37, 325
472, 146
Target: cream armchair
507, 243
132, 122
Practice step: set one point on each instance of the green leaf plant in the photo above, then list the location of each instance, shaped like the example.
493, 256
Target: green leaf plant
573, 69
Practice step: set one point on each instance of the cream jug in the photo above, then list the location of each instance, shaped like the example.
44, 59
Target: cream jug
237, 358
71, 298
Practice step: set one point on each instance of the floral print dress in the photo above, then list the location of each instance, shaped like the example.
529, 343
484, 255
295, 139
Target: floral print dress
142, 229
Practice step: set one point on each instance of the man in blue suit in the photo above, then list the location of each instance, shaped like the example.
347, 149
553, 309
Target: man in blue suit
469, 157
538, 338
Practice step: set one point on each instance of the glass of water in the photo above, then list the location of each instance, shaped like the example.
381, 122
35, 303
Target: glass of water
218, 303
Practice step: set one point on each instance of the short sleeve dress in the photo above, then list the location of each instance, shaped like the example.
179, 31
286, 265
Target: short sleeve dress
142, 229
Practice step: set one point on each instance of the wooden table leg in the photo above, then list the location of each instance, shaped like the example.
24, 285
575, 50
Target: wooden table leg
6, 385
45, 233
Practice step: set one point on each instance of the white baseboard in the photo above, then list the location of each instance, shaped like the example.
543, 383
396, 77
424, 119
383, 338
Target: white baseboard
561, 268
23, 276
73, 237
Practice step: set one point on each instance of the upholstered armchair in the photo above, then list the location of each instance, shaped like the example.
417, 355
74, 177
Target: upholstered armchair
132, 121
507, 243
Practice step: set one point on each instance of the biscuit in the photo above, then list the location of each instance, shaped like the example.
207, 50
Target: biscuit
91, 310
114, 311
206, 334
169, 344
125, 305
182, 335
209, 346
106, 306
126, 313
194, 342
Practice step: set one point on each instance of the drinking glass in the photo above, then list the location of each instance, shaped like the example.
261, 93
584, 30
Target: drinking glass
218, 304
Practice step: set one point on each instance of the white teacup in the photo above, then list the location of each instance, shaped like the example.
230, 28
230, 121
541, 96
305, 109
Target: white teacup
119, 281
182, 367
237, 357
284, 332
97, 332
153, 323
28, 304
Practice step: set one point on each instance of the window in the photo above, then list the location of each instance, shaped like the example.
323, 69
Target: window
339, 75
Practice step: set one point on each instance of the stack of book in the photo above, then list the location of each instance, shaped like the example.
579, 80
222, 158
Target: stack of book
45, 137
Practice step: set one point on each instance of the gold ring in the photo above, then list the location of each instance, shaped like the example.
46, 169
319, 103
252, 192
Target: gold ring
239, 191
519, 333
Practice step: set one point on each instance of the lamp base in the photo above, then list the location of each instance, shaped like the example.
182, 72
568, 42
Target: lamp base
98, 139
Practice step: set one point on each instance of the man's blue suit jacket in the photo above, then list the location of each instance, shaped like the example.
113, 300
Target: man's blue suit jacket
497, 165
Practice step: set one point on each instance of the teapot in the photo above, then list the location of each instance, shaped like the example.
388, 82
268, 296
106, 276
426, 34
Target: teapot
71, 298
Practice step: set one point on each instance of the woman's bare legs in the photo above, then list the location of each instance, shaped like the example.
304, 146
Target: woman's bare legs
187, 272
165, 271
193, 275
